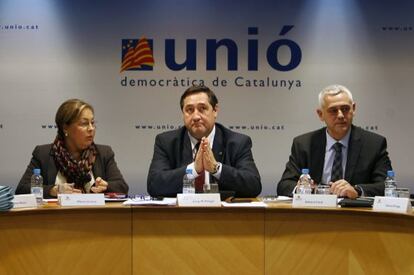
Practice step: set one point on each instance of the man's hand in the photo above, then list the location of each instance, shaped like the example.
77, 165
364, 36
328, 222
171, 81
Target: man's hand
342, 188
198, 161
209, 162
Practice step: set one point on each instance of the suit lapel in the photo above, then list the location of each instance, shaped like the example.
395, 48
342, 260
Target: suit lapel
318, 146
186, 153
218, 145
51, 170
97, 167
354, 150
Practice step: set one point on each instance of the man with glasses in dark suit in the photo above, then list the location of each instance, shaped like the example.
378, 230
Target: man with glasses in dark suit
353, 161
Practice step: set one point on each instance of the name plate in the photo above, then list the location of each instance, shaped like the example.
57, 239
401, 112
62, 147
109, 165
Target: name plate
24, 201
205, 200
314, 200
391, 204
81, 199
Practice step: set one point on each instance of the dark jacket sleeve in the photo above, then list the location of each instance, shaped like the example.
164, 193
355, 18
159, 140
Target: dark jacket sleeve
39, 160
164, 178
239, 172
379, 164
110, 172
24, 184
291, 174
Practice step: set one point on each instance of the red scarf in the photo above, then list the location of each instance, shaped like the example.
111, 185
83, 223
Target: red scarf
74, 171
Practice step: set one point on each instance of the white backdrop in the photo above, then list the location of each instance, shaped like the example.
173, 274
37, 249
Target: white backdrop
54, 50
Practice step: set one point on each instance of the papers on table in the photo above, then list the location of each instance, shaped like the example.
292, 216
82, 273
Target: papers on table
270, 199
244, 204
140, 201
6, 197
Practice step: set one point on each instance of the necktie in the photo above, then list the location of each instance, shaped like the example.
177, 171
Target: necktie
336, 173
199, 181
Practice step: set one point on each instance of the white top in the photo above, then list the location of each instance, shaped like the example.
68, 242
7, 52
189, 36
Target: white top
60, 178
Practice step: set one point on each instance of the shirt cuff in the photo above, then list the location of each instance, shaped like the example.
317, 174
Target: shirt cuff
359, 190
192, 167
218, 174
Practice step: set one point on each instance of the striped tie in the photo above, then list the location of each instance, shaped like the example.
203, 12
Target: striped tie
336, 173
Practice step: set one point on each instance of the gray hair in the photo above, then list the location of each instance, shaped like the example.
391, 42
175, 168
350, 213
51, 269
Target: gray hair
333, 90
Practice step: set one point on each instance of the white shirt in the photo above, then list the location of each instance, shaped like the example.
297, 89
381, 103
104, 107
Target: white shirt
60, 178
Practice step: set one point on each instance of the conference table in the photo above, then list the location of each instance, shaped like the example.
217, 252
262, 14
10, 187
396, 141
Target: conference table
278, 239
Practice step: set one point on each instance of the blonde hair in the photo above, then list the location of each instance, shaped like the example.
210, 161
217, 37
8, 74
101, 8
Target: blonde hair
69, 112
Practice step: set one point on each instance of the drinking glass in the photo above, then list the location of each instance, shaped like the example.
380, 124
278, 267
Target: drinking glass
323, 190
403, 192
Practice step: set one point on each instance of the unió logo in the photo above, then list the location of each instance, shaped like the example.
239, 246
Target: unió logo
137, 54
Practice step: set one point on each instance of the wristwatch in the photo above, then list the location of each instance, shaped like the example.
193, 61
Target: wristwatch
358, 189
216, 168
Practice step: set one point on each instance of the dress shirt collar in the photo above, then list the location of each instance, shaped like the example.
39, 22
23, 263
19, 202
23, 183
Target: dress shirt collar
330, 141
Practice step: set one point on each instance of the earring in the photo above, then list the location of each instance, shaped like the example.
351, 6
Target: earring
66, 134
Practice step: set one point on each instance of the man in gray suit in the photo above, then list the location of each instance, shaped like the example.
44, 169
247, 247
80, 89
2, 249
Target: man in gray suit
223, 155
351, 160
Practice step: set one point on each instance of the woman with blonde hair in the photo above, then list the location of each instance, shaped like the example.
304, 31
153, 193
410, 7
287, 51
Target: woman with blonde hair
73, 157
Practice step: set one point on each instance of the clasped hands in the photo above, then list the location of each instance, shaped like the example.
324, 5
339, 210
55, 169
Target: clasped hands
204, 159
341, 188
100, 186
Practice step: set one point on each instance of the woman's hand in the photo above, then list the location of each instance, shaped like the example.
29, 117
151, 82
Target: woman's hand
100, 186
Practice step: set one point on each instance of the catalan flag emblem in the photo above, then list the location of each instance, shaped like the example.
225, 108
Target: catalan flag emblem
137, 55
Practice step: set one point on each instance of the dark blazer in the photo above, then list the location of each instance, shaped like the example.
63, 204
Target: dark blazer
172, 154
104, 167
367, 161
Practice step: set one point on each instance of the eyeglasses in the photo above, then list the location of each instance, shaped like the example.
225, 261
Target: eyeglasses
345, 109
86, 124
